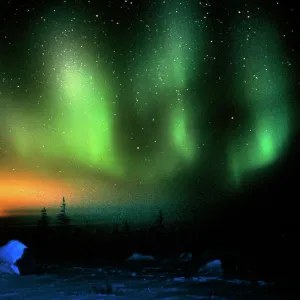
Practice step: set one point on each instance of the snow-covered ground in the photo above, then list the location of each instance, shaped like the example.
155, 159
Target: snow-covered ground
135, 279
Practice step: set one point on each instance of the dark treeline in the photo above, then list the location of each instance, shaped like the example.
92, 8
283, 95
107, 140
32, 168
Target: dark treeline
246, 251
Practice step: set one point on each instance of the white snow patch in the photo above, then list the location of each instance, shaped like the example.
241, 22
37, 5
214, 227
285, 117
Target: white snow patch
205, 278
264, 283
235, 281
9, 254
137, 256
185, 257
213, 268
239, 281
9, 269
179, 279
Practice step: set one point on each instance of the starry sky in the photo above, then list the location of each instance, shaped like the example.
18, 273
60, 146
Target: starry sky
124, 107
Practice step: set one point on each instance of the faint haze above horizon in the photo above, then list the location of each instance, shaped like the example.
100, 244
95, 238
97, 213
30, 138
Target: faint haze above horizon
107, 215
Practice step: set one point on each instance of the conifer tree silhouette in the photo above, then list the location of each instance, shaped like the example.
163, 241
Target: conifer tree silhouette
43, 222
62, 218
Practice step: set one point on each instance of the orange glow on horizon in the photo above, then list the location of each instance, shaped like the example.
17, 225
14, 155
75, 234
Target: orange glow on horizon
21, 191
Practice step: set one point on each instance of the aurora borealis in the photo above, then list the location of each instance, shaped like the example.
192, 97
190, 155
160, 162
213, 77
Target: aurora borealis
264, 85
109, 104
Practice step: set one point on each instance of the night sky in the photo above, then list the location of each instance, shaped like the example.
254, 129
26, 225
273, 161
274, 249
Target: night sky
125, 107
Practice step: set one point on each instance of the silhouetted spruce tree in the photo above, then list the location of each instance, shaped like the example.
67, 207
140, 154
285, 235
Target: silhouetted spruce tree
159, 232
43, 222
160, 220
42, 228
62, 218
126, 227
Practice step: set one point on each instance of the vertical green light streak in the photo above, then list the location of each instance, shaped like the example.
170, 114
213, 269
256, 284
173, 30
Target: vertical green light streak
264, 94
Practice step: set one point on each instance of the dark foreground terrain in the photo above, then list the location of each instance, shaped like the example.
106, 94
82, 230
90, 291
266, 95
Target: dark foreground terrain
89, 262
136, 280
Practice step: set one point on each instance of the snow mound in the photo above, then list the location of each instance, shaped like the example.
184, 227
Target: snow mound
185, 257
212, 268
9, 269
139, 257
10, 253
